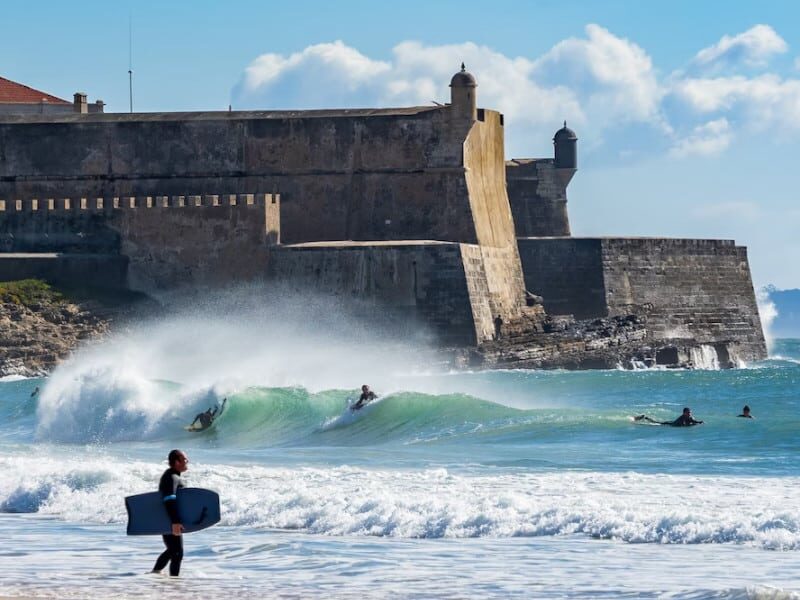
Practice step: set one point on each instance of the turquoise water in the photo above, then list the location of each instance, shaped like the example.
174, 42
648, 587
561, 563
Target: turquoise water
451, 484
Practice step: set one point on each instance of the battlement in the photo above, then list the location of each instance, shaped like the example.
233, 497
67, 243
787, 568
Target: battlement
109, 204
99, 224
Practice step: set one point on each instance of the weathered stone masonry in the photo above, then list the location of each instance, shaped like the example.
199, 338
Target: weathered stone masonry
690, 291
413, 209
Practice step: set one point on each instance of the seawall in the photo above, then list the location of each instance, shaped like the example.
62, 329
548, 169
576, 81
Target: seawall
688, 290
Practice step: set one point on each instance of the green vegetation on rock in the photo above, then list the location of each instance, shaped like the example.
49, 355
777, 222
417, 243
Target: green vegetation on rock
28, 292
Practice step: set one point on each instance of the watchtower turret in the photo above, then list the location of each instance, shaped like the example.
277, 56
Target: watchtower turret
566, 153
462, 95
565, 142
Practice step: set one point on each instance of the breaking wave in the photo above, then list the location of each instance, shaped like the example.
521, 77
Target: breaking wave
430, 503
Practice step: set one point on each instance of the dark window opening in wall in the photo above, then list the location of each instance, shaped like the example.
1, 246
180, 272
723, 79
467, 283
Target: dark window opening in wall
481, 115
667, 356
723, 356
502, 120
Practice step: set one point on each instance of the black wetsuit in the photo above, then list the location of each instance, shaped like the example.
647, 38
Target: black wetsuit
363, 399
168, 486
683, 421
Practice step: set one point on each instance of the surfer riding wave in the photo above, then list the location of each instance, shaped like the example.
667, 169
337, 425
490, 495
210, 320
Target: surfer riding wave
207, 418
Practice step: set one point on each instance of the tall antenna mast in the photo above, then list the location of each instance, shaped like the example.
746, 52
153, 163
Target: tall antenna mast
130, 60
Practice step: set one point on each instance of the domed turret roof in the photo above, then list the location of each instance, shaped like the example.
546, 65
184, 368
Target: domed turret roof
565, 133
463, 79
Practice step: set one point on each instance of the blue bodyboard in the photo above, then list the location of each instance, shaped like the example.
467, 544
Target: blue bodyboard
197, 508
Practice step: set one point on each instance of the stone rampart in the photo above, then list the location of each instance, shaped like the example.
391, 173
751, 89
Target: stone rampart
485, 166
697, 290
73, 271
440, 286
207, 242
387, 174
168, 242
55, 225
537, 191
567, 273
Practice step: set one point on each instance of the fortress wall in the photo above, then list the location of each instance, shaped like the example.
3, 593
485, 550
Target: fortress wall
698, 289
538, 197
494, 226
411, 286
69, 270
171, 241
372, 206
366, 175
687, 289
486, 181
480, 294
206, 242
55, 225
567, 273
167, 144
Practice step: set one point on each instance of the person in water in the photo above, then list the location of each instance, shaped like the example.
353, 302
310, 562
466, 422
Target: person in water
685, 420
367, 395
746, 412
169, 485
207, 418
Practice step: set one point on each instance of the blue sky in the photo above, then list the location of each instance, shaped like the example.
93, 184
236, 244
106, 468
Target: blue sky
688, 113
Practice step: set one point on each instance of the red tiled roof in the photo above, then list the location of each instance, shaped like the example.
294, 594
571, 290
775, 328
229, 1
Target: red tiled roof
12, 92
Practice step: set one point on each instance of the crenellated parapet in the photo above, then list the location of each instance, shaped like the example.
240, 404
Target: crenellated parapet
170, 241
107, 205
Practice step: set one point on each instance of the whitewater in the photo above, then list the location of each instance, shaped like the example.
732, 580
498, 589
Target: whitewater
452, 484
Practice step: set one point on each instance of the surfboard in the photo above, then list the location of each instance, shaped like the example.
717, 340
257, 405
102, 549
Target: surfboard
198, 509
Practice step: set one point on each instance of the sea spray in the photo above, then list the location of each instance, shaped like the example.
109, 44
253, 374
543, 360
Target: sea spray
183, 361
768, 313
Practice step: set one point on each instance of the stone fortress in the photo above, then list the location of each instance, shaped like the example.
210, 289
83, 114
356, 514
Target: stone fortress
414, 210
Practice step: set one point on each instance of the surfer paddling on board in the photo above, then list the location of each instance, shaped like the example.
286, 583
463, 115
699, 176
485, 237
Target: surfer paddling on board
367, 396
207, 418
685, 420
169, 485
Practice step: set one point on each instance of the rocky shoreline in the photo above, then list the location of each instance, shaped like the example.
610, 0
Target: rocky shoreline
41, 326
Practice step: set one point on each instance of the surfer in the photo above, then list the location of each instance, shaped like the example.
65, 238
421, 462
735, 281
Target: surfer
207, 418
746, 412
169, 485
35, 392
685, 420
367, 395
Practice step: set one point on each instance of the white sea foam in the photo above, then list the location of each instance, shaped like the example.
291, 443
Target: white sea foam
704, 357
431, 503
768, 313
8, 378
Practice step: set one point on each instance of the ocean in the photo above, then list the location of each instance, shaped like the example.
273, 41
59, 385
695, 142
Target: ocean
500, 484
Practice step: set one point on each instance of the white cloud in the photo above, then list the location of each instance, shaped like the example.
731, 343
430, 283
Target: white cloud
422, 73
593, 82
318, 75
761, 102
336, 76
754, 47
605, 86
613, 76
705, 140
